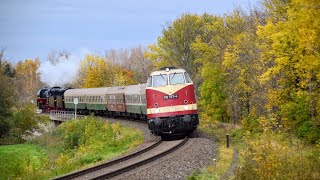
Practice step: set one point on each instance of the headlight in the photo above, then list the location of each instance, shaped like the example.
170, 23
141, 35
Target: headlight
157, 110
186, 107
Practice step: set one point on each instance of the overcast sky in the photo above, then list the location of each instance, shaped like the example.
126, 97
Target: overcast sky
33, 28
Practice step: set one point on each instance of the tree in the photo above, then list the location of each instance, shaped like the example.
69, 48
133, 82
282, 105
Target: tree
293, 43
6, 102
132, 59
208, 51
227, 54
96, 71
27, 80
245, 96
174, 46
25, 122
6, 95
139, 64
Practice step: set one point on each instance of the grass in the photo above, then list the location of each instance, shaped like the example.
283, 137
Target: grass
224, 157
21, 161
72, 146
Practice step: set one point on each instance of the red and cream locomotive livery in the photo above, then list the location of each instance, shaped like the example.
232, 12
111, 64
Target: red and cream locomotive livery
171, 102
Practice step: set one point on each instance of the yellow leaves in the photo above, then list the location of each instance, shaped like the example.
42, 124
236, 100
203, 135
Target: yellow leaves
277, 156
154, 53
62, 160
229, 57
106, 125
290, 55
28, 79
116, 128
96, 71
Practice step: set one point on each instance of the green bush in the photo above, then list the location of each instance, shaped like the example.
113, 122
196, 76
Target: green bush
21, 124
309, 131
251, 124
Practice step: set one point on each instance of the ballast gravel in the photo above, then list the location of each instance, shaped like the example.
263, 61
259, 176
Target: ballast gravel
196, 154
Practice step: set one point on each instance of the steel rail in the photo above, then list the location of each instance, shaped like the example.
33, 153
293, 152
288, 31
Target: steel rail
107, 164
140, 163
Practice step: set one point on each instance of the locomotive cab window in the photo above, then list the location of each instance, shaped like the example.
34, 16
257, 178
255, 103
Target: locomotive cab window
188, 79
149, 81
176, 78
160, 80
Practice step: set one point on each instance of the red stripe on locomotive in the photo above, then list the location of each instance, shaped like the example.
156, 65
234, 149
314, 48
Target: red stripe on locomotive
175, 113
185, 93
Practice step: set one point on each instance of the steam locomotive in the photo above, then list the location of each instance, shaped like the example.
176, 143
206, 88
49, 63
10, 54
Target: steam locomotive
167, 102
50, 98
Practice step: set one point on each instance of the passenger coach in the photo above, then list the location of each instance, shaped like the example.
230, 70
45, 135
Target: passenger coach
171, 102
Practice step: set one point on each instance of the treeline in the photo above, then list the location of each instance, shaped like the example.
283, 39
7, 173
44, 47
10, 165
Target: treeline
21, 81
116, 68
259, 67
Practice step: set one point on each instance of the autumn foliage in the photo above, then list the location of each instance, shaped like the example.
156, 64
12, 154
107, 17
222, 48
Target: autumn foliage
97, 71
252, 65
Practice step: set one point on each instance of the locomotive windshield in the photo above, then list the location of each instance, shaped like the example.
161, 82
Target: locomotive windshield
188, 79
176, 78
149, 82
160, 80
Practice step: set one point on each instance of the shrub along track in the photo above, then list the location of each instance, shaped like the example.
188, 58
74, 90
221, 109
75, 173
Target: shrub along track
127, 163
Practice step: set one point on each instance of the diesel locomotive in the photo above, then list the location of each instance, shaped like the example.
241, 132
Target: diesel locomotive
171, 102
167, 102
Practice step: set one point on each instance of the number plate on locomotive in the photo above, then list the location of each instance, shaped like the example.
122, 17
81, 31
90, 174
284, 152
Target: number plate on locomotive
173, 96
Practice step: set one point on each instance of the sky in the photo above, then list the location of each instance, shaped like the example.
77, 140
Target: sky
32, 29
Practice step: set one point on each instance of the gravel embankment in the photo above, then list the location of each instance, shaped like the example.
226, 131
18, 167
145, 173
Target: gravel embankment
197, 153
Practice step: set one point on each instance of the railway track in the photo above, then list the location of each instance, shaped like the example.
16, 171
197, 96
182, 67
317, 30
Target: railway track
127, 163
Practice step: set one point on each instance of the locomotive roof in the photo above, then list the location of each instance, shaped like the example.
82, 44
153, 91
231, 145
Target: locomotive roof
164, 71
170, 67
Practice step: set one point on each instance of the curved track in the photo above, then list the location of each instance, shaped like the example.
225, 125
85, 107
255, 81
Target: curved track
127, 163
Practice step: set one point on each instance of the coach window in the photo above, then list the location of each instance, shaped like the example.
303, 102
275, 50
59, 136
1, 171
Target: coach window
143, 99
149, 82
176, 78
160, 80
